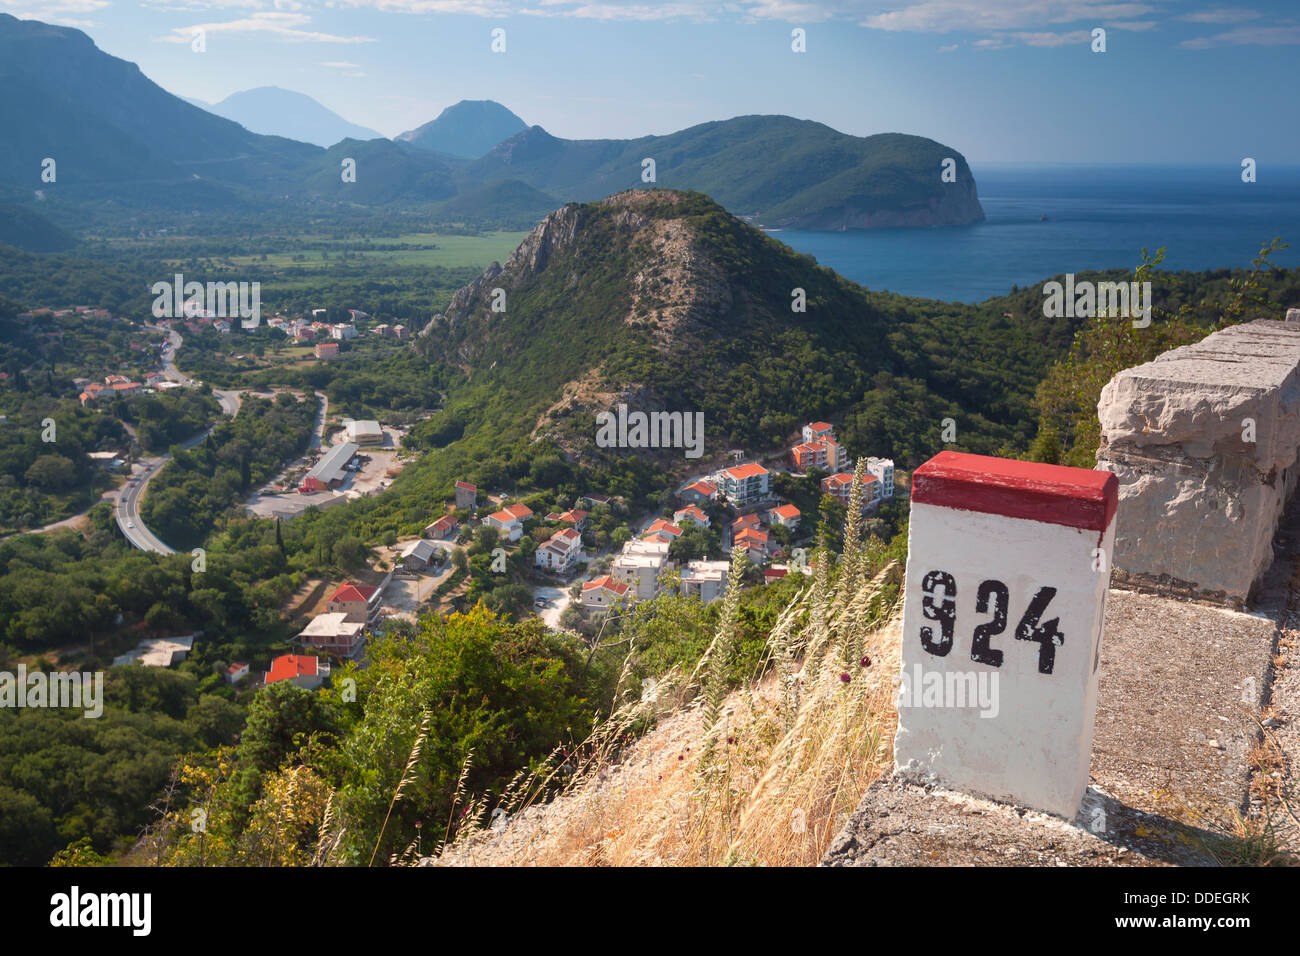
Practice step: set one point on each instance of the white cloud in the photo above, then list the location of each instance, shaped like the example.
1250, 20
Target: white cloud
62, 12
980, 16
286, 27
950, 48
1221, 15
1286, 35
341, 65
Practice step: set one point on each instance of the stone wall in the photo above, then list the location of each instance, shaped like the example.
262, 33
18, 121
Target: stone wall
1204, 441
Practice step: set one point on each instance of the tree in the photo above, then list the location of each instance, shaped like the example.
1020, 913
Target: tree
52, 472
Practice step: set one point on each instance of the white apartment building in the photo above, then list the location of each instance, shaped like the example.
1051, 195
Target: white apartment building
706, 580
883, 471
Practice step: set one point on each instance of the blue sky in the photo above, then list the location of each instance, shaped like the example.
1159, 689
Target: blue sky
999, 80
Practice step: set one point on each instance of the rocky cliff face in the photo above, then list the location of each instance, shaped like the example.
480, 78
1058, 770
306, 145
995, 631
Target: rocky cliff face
1204, 441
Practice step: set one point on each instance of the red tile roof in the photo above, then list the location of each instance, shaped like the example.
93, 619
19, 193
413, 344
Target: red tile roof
291, 665
662, 525
605, 581
819, 426
700, 487
353, 592
745, 471
786, 511
466, 485
518, 511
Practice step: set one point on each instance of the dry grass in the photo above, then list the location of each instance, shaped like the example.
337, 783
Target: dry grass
765, 775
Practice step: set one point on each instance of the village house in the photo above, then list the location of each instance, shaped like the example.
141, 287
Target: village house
603, 592
825, 454
882, 469
343, 331
753, 542
816, 431
706, 580
743, 484
591, 500
662, 530
443, 527
640, 567
327, 350
573, 518
419, 554
333, 633
698, 492
787, 516
466, 495
358, 602
560, 552
838, 487
237, 672
509, 521
301, 670
690, 513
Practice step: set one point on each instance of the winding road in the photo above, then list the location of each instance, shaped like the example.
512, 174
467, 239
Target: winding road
128, 500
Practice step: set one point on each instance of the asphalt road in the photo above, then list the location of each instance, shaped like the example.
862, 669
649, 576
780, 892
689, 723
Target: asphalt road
128, 500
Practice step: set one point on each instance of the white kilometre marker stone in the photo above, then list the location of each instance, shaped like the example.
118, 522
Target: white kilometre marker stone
1007, 570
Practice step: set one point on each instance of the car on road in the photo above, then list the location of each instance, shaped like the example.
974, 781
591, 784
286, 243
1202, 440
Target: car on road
541, 602
130, 524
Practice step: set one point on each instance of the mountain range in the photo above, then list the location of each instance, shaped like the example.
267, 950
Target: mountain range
114, 134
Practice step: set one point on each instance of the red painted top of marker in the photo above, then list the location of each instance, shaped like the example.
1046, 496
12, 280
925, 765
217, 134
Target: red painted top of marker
1055, 494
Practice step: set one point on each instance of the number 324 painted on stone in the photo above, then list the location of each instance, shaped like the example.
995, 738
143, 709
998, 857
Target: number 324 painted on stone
995, 596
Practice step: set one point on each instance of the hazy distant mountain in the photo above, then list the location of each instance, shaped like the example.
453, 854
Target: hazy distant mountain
276, 112
469, 129
780, 170
102, 121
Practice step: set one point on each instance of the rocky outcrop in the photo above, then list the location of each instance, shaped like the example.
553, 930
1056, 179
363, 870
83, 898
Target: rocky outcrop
1204, 440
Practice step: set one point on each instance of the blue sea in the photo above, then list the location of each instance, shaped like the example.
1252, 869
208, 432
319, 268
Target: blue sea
1098, 217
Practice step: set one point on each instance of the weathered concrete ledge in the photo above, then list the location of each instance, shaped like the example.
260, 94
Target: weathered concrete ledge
1181, 684
1204, 441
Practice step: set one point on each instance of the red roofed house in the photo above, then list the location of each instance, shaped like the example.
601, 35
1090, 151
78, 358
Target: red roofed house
838, 486
560, 551
509, 521
698, 492
787, 516
466, 495
602, 591
691, 513
357, 602
816, 431
444, 527
574, 517
744, 483
774, 574
327, 350
825, 453
299, 669
237, 672
660, 528
754, 542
